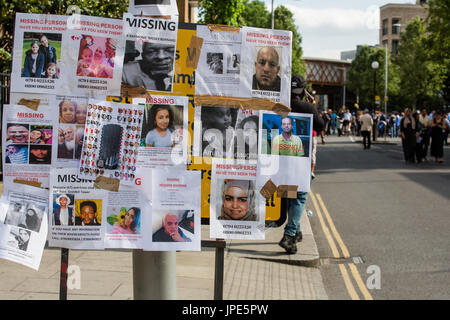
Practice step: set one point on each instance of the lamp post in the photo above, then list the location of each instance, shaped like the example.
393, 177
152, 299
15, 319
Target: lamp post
375, 66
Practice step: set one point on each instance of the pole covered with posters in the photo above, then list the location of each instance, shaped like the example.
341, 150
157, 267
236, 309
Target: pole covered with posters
154, 275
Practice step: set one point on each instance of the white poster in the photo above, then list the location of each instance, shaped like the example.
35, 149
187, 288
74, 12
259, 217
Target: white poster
175, 219
76, 212
23, 224
150, 52
266, 64
164, 135
218, 71
237, 208
69, 130
153, 7
285, 148
111, 140
93, 65
27, 143
223, 132
37, 55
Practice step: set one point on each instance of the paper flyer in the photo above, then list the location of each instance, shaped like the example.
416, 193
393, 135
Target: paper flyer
23, 224
93, 65
27, 143
150, 52
76, 211
175, 218
266, 64
237, 209
70, 129
164, 135
153, 7
38, 50
223, 132
285, 148
218, 71
111, 140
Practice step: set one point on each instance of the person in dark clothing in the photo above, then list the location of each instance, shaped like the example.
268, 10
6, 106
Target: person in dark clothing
292, 233
419, 140
33, 65
438, 128
48, 51
408, 129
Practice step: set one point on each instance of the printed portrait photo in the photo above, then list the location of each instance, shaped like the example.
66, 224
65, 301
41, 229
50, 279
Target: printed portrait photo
63, 209
149, 64
72, 112
172, 225
162, 126
41, 54
267, 69
215, 62
17, 133
41, 134
233, 63
26, 215
16, 154
124, 220
96, 57
40, 154
88, 212
236, 200
66, 142
288, 136
19, 239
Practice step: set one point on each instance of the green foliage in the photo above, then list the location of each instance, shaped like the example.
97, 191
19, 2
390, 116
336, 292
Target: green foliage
421, 75
360, 77
256, 15
220, 12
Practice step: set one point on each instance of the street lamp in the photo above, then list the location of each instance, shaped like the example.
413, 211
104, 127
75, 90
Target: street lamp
375, 66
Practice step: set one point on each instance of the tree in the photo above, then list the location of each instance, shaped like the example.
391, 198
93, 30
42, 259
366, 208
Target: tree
8, 9
360, 76
221, 12
255, 14
421, 76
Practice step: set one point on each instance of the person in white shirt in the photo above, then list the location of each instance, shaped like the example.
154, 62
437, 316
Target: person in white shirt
64, 214
366, 127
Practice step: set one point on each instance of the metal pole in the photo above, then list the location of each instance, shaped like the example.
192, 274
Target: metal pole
273, 17
154, 275
219, 269
63, 274
343, 97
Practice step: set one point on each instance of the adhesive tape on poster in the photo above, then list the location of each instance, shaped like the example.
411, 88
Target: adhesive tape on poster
268, 189
194, 49
110, 184
286, 191
36, 184
134, 91
223, 28
244, 103
33, 104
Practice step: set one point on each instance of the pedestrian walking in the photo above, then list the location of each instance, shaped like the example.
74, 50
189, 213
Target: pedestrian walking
425, 120
366, 127
409, 136
438, 128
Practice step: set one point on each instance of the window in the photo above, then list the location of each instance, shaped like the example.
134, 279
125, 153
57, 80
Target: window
385, 27
396, 26
394, 46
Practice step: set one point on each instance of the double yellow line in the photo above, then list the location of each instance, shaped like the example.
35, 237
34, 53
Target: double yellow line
320, 207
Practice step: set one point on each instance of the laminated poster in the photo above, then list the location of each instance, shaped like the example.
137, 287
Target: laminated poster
153, 7
266, 64
175, 219
93, 62
76, 212
150, 52
111, 141
27, 143
237, 208
224, 132
164, 135
218, 71
23, 224
38, 49
285, 146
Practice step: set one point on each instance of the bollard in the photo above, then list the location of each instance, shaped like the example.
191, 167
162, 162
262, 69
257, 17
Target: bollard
154, 275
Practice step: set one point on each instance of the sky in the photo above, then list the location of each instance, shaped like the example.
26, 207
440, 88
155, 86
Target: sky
328, 27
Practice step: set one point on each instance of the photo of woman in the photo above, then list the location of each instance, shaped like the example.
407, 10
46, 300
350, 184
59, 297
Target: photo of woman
67, 111
128, 221
161, 122
48, 50
34, 62
96, 57
238, 201
41, 135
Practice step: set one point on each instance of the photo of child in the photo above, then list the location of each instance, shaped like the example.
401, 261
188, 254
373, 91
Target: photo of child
96, 57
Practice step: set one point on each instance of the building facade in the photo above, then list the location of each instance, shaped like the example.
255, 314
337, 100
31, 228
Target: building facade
393, 20
186, 10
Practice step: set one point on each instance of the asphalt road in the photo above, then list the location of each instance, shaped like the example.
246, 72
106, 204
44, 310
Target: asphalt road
393, 218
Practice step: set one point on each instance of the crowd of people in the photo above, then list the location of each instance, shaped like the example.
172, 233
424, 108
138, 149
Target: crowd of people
421, 132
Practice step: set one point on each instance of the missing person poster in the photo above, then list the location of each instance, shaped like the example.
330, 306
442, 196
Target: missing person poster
153, 7
149, 53
237, 208
224, 132
175, 218
70, 128
111, 140
266, 64
93, 65
23, 224
164, 135
285, 149
38, 49
27, 143
76, 212
218, 71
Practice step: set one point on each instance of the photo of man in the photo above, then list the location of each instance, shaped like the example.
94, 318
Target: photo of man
154, 71
62, 210
19, 238
40, 154
215, 62
267, 69
16, 154
170, 230
89, 214
17, 133
66, 142
15, 214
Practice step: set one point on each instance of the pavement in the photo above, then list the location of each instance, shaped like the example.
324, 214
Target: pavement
253, 270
